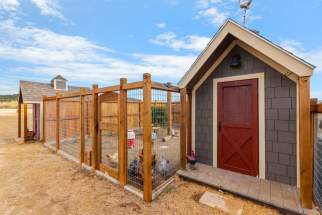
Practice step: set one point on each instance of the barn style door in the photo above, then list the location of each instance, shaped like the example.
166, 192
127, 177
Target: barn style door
238, 126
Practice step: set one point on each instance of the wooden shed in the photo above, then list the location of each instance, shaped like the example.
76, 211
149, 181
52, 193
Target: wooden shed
250, 108
30, 98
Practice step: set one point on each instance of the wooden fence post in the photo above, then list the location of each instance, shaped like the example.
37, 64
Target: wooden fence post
43, 119
25, 121
19, 120
123, 133
183, 128
57, 121
147, 141
82, 130
95, 156
169, 104
306, 145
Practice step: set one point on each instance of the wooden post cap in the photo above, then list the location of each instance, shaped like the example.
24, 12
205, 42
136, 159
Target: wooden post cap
147, 76
123, 81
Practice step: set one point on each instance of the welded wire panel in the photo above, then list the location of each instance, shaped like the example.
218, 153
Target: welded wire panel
109, 126
165, 136
70, 126
88, 126
175, 110
50, 122
135, 138
317, 179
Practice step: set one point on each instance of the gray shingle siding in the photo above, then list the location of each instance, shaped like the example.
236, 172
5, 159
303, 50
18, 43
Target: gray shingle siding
280, 116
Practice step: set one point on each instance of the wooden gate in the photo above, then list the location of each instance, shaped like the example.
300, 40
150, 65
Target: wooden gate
108, 116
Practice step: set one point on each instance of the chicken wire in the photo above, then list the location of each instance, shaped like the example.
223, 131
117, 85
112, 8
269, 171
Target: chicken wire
69, 115
135, 138
50, 122
109, 122
165, 135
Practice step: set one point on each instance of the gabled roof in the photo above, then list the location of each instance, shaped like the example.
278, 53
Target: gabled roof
31, 91
230, 31
59, 77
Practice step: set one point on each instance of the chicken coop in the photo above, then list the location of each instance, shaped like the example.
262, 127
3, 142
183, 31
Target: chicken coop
132, 132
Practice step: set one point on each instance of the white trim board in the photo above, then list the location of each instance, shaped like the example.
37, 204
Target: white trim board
261, 116
263, 46
253, 52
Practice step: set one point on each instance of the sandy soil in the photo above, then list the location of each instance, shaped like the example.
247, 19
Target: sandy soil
8, 125
37, 181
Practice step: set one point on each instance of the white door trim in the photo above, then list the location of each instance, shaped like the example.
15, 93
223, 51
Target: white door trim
193, 123
261, 116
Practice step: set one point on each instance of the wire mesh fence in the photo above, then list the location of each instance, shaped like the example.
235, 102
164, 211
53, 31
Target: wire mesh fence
70, 126
50, 122
109, 121
88, 128
108, 136
165, 136
135, 138
317, 179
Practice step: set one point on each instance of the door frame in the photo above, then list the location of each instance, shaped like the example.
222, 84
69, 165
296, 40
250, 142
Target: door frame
261, 116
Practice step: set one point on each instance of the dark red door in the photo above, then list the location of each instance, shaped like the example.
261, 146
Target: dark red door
238, 126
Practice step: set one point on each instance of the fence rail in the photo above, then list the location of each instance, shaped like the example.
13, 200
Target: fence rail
131, 131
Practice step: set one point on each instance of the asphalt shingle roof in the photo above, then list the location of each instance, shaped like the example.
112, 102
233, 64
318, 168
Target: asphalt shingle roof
33, 91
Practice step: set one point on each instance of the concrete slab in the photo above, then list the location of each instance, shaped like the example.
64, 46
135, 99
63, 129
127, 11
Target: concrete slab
229, 206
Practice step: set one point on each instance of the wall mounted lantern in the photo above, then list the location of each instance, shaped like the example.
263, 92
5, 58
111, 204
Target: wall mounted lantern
235, 61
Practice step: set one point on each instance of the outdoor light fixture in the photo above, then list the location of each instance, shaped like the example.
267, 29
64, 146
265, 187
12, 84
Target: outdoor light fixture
235, 61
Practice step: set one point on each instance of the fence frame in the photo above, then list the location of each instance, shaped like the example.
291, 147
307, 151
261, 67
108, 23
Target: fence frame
122, 153
147, 85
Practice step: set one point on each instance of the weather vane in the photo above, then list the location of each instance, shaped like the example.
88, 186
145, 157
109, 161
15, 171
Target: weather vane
245, 5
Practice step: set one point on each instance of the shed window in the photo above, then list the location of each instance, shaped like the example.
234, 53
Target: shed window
60, 85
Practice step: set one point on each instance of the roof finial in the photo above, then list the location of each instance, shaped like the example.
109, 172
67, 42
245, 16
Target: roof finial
245, 5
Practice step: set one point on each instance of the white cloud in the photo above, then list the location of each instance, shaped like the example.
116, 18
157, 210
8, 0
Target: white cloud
217, 11
9, 5
214, 15
167, 65
161, 25
48, 8
206, 3
43, 53
190, 42
39, 45
312, 56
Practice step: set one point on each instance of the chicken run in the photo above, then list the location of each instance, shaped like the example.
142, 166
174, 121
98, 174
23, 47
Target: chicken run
130, 132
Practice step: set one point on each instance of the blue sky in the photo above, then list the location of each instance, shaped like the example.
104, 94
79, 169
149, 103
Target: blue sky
99, 41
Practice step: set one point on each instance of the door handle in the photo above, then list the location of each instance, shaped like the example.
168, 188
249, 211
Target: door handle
219, 126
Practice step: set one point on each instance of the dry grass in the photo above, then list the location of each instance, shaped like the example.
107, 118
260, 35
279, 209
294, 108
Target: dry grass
37, 181
8, 105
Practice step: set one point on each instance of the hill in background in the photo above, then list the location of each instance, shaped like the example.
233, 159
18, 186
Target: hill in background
8, 101
8, 98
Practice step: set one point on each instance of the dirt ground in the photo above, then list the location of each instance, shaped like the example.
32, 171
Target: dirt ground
34, 180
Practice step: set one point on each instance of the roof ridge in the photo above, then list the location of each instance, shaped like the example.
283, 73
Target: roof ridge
221, 34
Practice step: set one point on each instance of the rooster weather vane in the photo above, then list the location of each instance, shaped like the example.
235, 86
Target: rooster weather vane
245, 5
